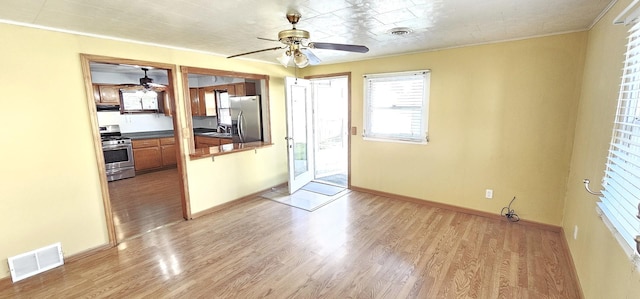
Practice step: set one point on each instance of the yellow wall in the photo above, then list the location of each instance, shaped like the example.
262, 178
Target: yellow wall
603, 268
501, 116
49, 184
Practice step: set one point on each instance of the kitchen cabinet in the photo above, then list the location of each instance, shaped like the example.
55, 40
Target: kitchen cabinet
230, 88
146, 154
154, 153
107, 94
244, 89
203, 101
168, 151
204, 142
165, 103
194, 96
96, 93
207, 96
238, 89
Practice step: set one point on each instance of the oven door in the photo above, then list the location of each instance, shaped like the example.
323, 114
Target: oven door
117, 156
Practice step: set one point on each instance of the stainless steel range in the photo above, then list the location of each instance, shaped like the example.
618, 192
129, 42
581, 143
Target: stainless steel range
118, 153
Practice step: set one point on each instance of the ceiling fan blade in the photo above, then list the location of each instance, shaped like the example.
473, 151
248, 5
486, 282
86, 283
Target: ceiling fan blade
258, 51
268, 39
339, 47
313, 59
156, 85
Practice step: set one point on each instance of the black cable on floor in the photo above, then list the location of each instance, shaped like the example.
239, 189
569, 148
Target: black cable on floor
509, 213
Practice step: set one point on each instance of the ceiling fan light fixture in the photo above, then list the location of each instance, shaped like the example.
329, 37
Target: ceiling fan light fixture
285, 58
400, 31
300, 59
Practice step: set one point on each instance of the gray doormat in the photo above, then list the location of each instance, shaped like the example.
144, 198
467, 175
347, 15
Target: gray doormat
324, 189
302, 199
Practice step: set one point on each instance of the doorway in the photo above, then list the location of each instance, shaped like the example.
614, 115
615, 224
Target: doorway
155, 196
330, 97
318, 132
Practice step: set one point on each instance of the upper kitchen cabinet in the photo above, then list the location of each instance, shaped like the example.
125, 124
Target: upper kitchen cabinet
194, 97
107, 94
229, 88
207, 101
244, 89
166, 106
238, 89
203, 101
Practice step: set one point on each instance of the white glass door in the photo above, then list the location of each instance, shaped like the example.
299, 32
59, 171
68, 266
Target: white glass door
299, 132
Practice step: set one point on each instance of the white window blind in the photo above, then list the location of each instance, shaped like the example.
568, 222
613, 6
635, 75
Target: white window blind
396, 106
621, 182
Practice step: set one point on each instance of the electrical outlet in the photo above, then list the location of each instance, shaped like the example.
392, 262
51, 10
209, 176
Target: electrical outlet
575, 232
488, 193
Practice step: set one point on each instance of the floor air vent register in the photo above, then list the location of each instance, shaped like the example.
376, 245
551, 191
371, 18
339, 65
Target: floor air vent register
34, 262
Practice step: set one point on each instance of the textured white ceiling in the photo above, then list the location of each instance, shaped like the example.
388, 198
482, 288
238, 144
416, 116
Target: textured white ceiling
232, 27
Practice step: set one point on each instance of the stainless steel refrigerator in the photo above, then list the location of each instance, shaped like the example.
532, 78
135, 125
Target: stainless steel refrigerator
246, 118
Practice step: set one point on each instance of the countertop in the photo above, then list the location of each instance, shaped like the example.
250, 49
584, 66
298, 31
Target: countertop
204, 152
149, 135
169, 133
228, 149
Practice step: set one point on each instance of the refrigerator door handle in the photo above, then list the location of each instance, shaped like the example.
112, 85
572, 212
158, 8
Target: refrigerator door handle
240, 126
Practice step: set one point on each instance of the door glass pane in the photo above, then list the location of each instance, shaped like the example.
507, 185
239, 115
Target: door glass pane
299, 111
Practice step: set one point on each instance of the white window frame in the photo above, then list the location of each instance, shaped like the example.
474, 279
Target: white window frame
421, 137
618, 206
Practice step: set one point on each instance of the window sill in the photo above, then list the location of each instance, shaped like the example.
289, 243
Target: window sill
629, 249
226, 149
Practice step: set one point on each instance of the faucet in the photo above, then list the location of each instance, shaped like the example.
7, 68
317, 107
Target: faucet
222, 129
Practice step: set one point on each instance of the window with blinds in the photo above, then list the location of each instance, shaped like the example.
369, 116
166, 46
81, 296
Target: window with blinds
397, 106
621, 182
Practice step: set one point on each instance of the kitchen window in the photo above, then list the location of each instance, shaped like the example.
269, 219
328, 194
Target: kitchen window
396, 106
621, 182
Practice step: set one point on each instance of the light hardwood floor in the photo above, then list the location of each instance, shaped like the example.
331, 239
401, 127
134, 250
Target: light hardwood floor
145, 202
359, 246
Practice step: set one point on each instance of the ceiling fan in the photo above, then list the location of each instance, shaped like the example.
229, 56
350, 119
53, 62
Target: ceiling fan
147, 82
296, 43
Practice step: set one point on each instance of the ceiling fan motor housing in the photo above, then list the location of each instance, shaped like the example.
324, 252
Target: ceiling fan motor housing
291, 36
145, 81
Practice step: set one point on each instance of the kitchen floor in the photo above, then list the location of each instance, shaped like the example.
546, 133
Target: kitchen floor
145, 202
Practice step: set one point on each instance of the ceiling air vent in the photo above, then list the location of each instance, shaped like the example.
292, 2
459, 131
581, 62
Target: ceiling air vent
37, 261
400, 31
